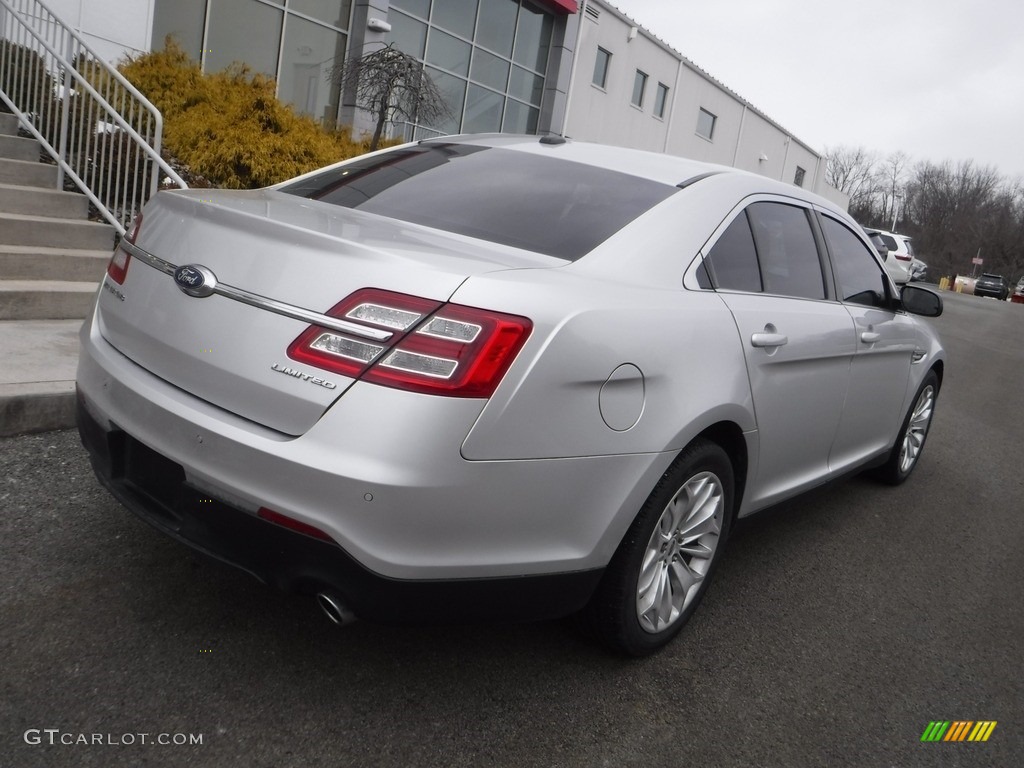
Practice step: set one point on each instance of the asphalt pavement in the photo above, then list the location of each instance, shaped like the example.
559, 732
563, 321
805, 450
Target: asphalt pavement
838, 627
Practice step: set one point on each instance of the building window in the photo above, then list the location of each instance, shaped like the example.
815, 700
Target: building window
487, 57
706, 124
799, 178
601, 68
660, 100
639, 85
297, 43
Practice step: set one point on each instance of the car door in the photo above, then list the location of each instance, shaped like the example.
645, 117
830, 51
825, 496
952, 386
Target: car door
798, 344
886, 340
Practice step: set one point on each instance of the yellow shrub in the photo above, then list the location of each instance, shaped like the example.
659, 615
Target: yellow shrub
228, 126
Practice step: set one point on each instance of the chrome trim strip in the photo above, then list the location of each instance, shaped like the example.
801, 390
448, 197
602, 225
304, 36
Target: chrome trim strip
262, 302
154, 261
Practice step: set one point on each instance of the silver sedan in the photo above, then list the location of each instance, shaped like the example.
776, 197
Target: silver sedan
497, 377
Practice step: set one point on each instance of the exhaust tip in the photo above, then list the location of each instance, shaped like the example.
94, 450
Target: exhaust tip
336, 610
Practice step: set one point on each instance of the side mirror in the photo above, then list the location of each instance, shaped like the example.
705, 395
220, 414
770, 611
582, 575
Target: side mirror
921, 301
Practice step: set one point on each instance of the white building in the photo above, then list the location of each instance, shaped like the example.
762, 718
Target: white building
582, 69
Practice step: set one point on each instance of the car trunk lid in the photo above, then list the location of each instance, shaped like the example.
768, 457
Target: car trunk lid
276, 253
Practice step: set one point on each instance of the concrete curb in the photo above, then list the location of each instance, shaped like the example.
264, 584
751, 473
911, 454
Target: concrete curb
37, 407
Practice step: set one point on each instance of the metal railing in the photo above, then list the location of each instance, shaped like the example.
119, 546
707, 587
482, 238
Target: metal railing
103, 134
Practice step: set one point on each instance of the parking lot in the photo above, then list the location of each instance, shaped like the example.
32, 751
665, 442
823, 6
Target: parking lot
838, 627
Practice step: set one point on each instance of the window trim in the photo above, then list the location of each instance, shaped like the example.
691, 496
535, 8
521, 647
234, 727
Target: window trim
663, 91
640, 77
714, 122
690, 276
603, 85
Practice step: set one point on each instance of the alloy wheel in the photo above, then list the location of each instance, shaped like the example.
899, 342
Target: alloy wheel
680, 551
917, 429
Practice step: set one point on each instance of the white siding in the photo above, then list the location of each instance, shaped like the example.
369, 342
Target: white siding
112, 28
742, 137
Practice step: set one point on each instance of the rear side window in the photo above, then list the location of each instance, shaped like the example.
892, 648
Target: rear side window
732, 262
786, 250
541, 204
768, 248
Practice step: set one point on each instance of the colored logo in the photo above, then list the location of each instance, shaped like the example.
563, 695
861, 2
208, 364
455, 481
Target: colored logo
958, 730
195, 280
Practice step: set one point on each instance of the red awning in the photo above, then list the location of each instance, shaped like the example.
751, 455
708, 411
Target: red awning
562, 6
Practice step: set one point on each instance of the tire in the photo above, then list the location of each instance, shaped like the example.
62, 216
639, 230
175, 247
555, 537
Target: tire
906, 451
663, 565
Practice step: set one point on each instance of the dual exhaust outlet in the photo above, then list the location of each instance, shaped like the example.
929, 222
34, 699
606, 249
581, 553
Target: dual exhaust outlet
335, 608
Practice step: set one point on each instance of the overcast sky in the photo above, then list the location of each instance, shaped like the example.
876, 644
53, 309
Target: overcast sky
937, 79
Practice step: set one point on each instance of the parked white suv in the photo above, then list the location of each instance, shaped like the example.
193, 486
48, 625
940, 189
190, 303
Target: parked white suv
901, 254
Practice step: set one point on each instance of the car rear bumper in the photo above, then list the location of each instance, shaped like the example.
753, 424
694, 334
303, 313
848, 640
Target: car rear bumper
409, 514
990, 294
155, 489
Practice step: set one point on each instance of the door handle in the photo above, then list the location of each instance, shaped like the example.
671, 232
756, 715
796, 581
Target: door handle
870, 337
768, 339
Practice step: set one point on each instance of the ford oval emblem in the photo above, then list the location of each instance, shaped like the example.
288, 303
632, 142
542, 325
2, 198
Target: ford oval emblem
195, 280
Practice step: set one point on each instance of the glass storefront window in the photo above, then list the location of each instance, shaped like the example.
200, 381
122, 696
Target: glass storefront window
334, 12
474, 39
419, 8
526, 85
497, 25
182, 19
407, 34
448, 52
457, 16
453, 91
241, 30
489, 70
483, 110
520, 118
310, 51
533, 38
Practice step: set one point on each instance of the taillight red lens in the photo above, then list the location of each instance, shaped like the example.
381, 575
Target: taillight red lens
436, 349
118, 266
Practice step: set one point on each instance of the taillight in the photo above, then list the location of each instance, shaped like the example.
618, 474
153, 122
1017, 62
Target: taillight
441, 349
904, 257
118, 266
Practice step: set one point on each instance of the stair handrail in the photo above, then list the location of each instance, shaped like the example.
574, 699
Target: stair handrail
110, 153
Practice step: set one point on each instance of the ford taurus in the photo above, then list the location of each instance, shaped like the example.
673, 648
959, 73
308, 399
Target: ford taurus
495, 377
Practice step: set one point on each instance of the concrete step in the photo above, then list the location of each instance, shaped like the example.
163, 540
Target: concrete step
17, 148
18, 262
28, 173
37, 385
8, 124
46, 299
43, 202
20, 229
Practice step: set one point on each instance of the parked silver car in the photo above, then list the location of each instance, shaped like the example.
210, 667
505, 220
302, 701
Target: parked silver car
497, 377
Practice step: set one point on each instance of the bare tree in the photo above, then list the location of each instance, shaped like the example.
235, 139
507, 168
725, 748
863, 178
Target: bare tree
889, 187
389, 83
851, 170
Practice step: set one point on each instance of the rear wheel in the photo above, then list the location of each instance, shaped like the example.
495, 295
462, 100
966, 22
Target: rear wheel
664, 564
913, 432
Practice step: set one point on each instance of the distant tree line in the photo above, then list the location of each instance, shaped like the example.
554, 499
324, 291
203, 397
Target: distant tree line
953, 211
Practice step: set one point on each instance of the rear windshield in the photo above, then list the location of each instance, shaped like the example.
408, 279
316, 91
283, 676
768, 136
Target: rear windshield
528, 201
